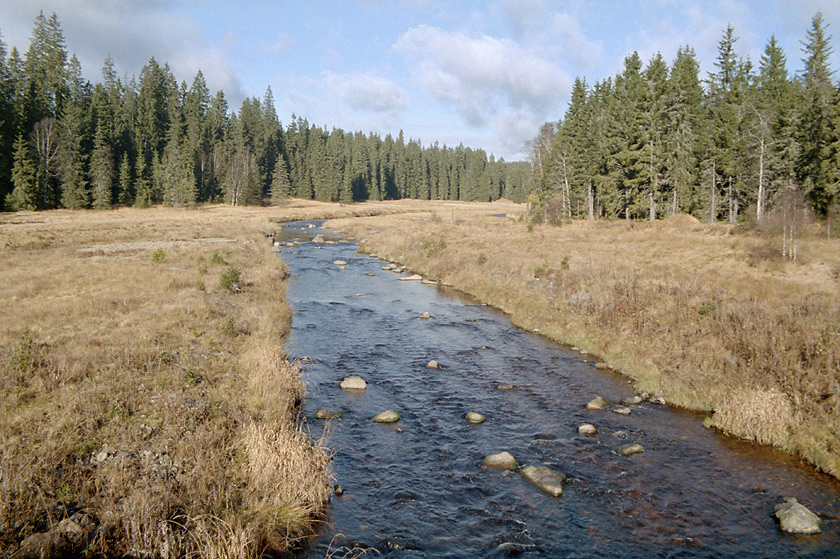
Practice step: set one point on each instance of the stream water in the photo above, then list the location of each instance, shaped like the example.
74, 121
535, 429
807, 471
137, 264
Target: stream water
417, 488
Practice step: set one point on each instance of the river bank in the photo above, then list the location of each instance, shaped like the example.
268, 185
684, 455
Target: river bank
707, 319
146, 405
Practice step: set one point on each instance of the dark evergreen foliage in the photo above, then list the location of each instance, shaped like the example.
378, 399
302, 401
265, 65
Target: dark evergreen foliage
653, 141
67, 143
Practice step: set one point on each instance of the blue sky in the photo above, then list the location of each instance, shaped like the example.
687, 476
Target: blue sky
485, 74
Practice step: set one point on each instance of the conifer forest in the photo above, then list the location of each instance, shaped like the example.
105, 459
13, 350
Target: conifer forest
68, 143
657, 140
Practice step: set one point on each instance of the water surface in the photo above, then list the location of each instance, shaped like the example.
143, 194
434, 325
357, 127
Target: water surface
423, 493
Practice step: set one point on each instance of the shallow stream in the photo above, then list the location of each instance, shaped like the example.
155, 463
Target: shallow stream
422, 492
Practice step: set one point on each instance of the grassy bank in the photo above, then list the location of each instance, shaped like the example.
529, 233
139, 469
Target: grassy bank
144, 391
708, 319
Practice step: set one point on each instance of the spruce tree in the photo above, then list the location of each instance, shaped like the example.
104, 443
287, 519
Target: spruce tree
24, 195
281, 186
815, 169
101, 173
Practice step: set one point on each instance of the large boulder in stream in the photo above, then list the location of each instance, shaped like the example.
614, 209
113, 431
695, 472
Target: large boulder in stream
795, 518
547, 480
501, 461
353, 383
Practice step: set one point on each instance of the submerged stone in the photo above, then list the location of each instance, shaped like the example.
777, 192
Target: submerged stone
353, 383
388, 416
474, 418
547, 480
596, 404
795, 518
501, 461
587, 429
328, 414
629, 449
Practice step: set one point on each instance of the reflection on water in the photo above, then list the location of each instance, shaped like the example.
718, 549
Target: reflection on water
417, 489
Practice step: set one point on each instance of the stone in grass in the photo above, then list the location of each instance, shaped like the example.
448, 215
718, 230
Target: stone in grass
587, 429
353, 383
629, 449
501, 461
388, 416
596, 404
548, 480
328, 414
795, 518
474, 418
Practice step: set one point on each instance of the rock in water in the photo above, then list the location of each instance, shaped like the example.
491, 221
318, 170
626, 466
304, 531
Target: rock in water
632, 400
353, 383
631, 449
548, 480
501, 461
318, 239
587, 429
795, 518
425, 316
622, 411
474, 418
433, 364
328, 414
388, 416
596, 403
340, 263
415, 277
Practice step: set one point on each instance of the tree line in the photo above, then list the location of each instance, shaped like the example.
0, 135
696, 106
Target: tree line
656, 140
65, 142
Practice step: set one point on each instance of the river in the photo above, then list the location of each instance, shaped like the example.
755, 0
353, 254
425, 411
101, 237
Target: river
417, 488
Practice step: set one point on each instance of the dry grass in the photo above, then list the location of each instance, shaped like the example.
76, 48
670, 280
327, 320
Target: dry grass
141, 392
709, 319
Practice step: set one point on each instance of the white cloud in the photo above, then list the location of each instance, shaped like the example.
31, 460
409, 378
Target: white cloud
365, 91
481, 74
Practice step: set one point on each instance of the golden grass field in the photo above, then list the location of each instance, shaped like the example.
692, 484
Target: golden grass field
141, 392
137, 389
704, 316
